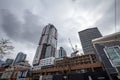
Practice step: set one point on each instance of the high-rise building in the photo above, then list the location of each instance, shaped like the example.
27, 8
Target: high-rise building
20, 57
62, 53
86, 37
47, 44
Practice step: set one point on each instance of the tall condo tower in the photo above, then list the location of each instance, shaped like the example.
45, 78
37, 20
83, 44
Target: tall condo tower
19, 58
47, 44
86, 37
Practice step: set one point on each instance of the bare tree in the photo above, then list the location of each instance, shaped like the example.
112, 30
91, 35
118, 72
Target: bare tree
5, 47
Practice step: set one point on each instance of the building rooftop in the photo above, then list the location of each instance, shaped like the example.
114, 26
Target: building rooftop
88, 29
111, 37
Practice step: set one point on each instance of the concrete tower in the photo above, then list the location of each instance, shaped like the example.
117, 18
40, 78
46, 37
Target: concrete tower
47, 44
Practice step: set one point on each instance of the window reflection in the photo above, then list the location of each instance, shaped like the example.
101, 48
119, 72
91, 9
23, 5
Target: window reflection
113, 54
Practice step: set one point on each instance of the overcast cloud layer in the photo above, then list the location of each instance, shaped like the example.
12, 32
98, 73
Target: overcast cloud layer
22, 21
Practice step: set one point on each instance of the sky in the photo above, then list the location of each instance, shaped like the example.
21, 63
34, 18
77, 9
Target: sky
21, 21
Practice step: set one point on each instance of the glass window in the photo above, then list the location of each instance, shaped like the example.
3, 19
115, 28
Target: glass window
114, 55
117, 50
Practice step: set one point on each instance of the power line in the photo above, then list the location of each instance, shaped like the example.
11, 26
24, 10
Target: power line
115, 18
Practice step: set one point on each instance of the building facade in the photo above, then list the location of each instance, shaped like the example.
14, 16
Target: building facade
19, 58
23, 64
78, 60
84, 66
62, 53
108, 50
86, 37
47, 44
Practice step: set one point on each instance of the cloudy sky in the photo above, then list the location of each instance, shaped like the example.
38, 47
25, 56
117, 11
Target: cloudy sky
22, 21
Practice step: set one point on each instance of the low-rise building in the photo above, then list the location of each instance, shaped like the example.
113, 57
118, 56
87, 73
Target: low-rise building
84, 60
23, 64
16, 73
83, 66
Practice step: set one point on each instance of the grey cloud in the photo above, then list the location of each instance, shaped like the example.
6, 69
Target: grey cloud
107, 22
24, 19
10, 24
28, 31
32, 27
90, 6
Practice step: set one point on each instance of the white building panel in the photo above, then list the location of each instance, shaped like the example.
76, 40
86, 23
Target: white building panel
47, 61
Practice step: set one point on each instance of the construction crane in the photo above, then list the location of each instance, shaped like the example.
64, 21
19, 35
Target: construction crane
71, 45
75, 51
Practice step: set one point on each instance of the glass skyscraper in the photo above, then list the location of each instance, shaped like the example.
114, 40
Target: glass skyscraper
86, 37
62, 53
19, 58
